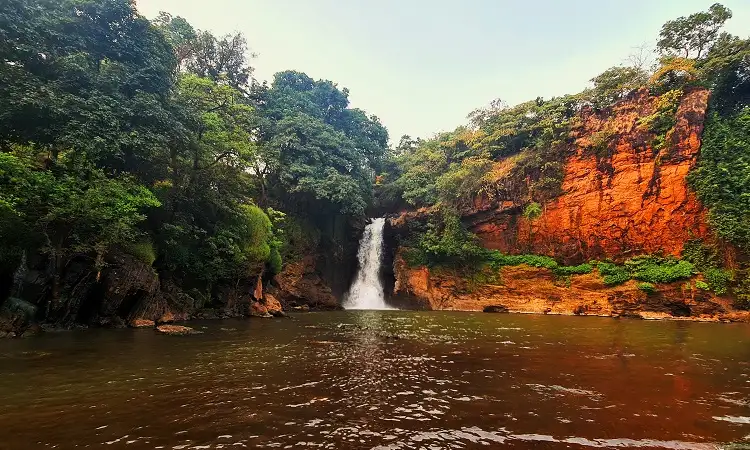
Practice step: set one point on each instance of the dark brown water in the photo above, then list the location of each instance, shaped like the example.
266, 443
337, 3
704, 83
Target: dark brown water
341, 380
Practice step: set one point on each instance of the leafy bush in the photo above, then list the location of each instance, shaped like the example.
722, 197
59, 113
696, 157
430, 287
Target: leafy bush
497, 259
648, 288
742, 291
580, 269
532, 211
718, 280
616, 278
659, 270
448, 243
274, 261
702, 256
702, 285
257, 232
143, 250
612, 273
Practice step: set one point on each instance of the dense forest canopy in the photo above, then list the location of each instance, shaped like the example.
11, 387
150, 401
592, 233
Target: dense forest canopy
120, 134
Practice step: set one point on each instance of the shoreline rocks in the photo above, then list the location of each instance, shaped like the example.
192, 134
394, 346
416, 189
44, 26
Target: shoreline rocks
176, 330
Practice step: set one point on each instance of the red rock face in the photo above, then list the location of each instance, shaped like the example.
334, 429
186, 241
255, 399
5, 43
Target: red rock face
632, 202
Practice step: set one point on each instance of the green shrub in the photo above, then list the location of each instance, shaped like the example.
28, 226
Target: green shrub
497, 259
414, 257
256, 232
702, 256
612, 273
574, 270
659, 270
718, 280
449, 244
648, 288
742, 291
144, 251
702, 285
274, 261
616, 278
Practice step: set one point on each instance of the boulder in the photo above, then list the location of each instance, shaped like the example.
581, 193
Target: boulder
170, 317
259, 310
495, 309
176, 330
142, 323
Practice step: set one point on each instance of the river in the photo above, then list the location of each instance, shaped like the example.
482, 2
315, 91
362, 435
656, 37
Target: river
383, 380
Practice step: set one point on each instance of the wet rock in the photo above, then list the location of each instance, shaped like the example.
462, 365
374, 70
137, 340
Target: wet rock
171, 317
33, 330
495, 309
142, 323
579, 310
302, 281
16, 315
111, 322
259, 310
176, 330
302, 308
272, 304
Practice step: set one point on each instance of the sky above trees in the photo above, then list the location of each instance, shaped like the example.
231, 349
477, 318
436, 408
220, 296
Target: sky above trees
423, 65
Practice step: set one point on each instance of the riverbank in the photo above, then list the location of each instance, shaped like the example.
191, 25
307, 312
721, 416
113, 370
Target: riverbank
533, 290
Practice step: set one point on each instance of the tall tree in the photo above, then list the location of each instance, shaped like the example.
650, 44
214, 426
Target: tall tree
692, 36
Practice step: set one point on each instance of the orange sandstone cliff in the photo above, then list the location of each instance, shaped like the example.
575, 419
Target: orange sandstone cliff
631, 201
619, 201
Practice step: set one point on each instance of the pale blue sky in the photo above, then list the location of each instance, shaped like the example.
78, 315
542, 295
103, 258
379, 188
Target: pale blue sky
423, 65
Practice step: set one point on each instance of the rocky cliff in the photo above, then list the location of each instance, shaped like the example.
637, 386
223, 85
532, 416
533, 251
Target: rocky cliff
129, 292
623, 195
621, 199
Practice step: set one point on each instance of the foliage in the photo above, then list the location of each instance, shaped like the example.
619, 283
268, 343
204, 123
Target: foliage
601, 141
448, 243
497, 259
118, 134
693, 35
615, 83
648, 288
580, 269
702, 285
702, 256
659, 270
143, 250
462, 181
532, 211
742, 292
663, 119
612, 274
718, 280
721, 177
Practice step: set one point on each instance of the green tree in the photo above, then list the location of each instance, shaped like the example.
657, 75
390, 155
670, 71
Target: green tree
694, 35
615, 83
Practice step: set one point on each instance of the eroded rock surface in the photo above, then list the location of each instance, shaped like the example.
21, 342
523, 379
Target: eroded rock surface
626, 199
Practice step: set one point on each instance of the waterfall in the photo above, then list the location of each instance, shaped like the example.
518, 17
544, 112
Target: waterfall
367, 290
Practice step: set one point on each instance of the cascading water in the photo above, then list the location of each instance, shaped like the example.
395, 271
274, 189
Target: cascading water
367, 290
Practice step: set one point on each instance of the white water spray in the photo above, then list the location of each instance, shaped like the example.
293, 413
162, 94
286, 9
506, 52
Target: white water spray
367, 290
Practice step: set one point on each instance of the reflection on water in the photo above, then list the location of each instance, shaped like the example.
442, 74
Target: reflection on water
383, 380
